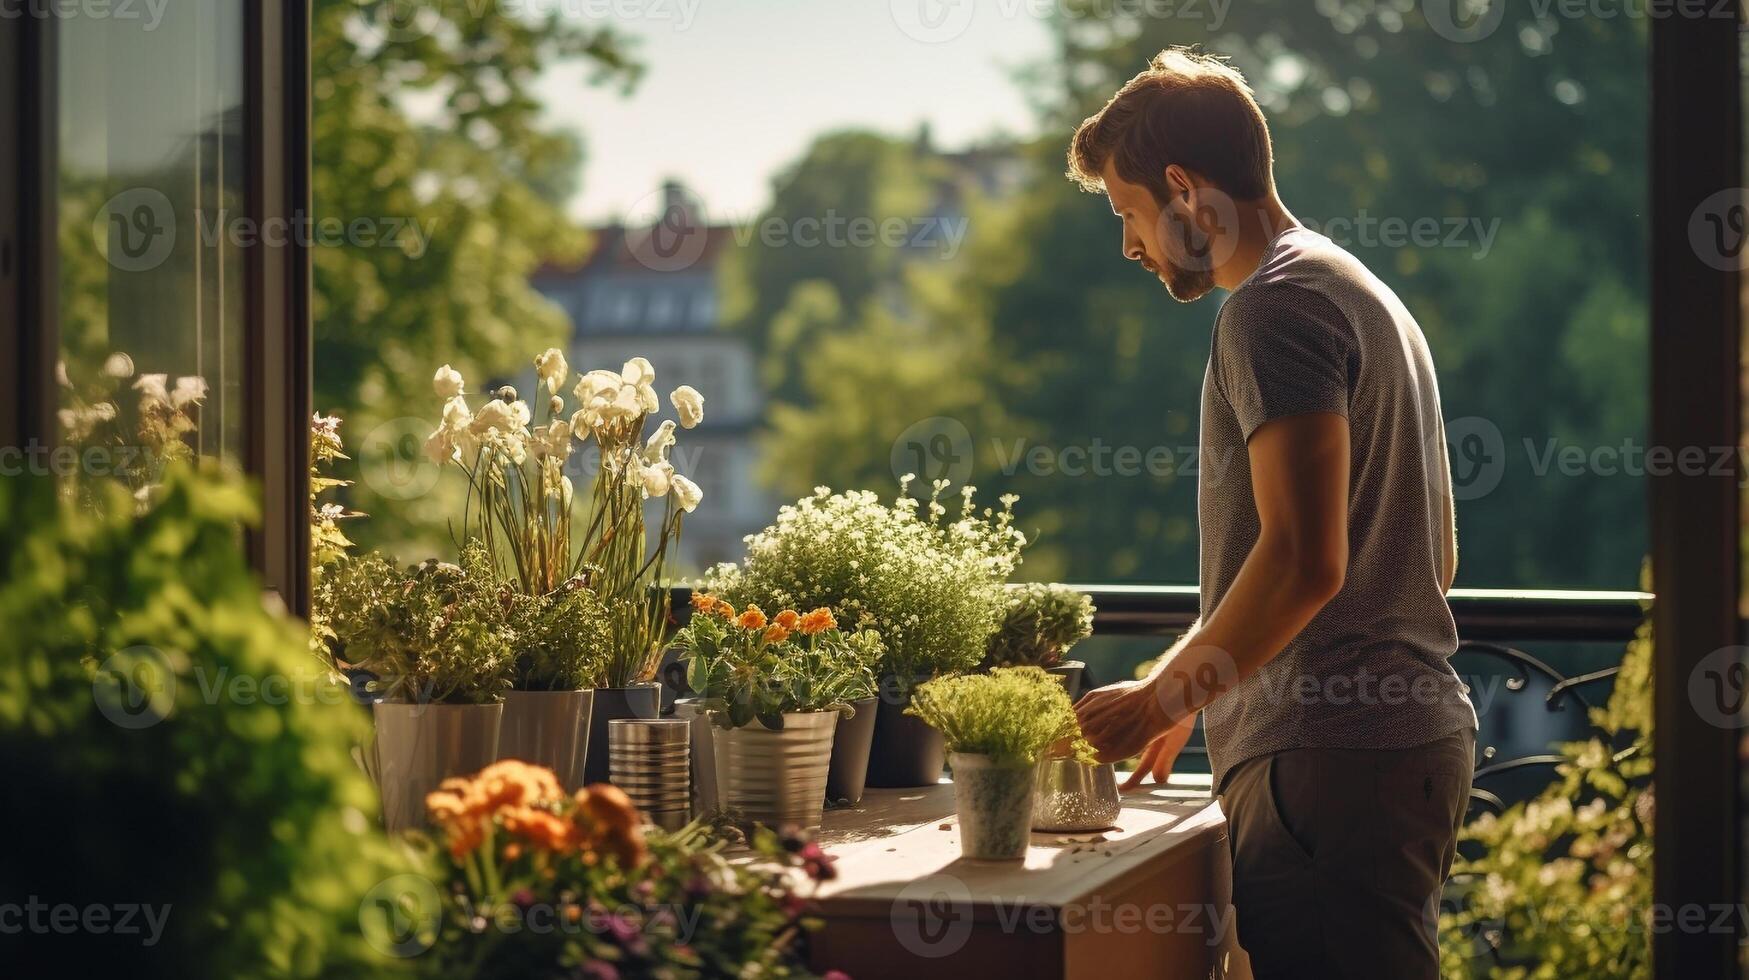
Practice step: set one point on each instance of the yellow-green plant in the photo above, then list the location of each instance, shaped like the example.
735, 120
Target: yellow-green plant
1012, 714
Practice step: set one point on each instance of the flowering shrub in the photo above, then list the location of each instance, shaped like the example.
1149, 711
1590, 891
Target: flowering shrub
1041, 623
933, 588
140, 437
520, 500
544, 884
1563, 887
1012, 714
746, 666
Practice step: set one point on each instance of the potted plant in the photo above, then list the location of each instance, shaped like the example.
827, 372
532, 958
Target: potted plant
560, 647
933, 588
773, 690
440, 650
997, 726
597, 895
521, 505
1040, 625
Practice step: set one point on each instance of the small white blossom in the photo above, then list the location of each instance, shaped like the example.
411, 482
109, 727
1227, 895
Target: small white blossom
688, 404
447, 382
552, 370
687, 493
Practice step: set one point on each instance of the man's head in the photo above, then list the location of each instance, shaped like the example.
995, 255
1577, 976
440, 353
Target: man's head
1178, 150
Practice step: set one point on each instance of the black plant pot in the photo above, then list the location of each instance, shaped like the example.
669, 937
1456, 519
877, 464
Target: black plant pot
850, 747
637, 701
906, 753
1071, 672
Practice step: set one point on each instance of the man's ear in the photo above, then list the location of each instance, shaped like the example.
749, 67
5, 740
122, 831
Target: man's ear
1179, 184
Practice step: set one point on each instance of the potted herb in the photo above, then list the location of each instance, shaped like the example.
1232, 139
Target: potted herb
560, 648
997, 726
521, 506
931, 586
773, 690
440, 649
1041, 623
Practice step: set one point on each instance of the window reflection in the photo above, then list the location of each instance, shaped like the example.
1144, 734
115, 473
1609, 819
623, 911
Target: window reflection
151, 185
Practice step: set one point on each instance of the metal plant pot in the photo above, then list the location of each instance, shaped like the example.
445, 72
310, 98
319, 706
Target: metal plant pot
995, 807
850, 747
1074, 797
650, 760
1070, 672
637, 701
418, 746
704, 759
906, 752
776, 778
546, 728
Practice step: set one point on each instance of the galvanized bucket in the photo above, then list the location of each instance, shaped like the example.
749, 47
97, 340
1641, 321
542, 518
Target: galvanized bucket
777, 778
649, 758
704, 757
995, 807
546, 728
421, 745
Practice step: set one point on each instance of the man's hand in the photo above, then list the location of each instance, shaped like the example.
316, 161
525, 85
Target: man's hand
1121, 719
1161, 753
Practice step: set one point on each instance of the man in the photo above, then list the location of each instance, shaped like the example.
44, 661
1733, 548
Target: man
1341, 740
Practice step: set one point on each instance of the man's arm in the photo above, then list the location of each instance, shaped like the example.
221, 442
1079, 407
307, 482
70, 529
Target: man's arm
1450, 564
1299, 476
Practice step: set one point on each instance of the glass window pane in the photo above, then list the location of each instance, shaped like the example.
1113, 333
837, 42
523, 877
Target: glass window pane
151, 184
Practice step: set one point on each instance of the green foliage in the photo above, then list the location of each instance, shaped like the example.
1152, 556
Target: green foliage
1012, 714
1042, 623
432, 635
1564, 885
434, 125
932, 588
746, 669
561, 638
169, 741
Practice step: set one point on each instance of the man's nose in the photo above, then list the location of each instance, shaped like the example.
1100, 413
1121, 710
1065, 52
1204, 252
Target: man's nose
1132, 250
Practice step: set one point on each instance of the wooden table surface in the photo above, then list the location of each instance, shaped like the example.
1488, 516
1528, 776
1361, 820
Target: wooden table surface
1147, 898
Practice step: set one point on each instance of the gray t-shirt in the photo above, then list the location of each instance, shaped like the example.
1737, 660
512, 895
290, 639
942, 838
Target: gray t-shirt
1313, 331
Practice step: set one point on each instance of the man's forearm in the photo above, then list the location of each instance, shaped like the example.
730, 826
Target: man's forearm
1275, 595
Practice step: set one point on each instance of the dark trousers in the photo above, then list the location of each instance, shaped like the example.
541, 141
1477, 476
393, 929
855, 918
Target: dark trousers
1339, 857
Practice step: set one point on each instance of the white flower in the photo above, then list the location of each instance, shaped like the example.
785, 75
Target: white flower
660, 442
495, 414
440, 445
648, 403
456, 415
688, 404
686, 493
552, 369
119, 365
638, 372
151, 387
191, 389
552, 440
520, 414
447, 382
596, 382
656, 477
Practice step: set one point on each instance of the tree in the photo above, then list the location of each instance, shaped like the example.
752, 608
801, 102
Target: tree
428, 127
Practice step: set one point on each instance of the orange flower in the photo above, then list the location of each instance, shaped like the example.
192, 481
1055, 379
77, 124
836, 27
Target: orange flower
775, 633
723, 609
789, 619
818, 621
704, 602
752, 619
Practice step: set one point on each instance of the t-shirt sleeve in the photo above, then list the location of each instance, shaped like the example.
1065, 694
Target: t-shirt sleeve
1282, 350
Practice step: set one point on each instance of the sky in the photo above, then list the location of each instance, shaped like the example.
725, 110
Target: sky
734, 90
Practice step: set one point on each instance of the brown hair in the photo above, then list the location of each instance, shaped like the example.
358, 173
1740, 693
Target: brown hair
1189, 109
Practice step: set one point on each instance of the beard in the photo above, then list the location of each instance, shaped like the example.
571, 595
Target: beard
1187, 271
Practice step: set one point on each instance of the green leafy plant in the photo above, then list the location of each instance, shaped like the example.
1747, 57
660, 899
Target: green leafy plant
1563, 884
932, 587
1012, 714
432, 635
146, 682
562, 638
1041, 623
746, 667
